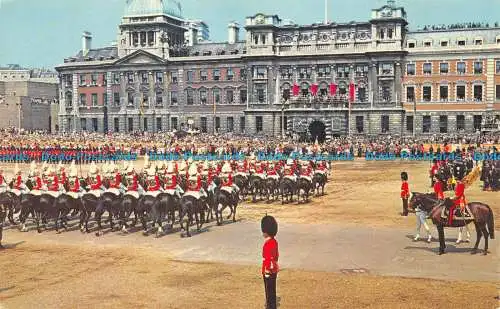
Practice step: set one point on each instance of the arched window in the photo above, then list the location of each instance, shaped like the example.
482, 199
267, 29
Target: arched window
323, 89
342, 88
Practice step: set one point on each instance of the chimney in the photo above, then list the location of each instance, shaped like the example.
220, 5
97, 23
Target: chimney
86, 42
233, 32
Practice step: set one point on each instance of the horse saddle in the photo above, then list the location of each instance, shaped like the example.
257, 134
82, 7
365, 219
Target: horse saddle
457, 214
36, 192
115, 191
16, 191
227, 189
308, 178
261, 176
54, 194
96, 193
133, 193
74, 195
170, 191
292, 178
196, 195
153, 193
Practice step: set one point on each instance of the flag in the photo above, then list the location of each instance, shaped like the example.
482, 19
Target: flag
314, 89
352, 90
333, 89
295, 90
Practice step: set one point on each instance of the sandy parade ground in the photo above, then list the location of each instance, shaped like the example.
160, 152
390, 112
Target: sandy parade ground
347, 249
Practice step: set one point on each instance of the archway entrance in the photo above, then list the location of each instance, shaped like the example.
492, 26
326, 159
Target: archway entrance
317, 130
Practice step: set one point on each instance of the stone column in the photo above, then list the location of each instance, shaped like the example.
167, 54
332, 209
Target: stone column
397, 84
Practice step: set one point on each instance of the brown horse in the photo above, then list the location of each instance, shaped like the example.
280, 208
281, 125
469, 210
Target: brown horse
482, 218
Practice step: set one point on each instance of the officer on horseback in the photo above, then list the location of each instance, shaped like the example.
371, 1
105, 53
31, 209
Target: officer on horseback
289, 171
132, 178
227, 181
305, 171
171, 184
272, 171
115, 183
95, 181
18, 186
75, 190
194, 185
153, 182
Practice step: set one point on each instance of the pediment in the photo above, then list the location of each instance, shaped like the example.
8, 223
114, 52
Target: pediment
140, 57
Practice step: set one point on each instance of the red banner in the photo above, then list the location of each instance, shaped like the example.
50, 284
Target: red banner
333, 89
295, 90
351, 92
314, 89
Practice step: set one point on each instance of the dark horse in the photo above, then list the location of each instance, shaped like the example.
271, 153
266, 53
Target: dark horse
189, 208
319, 182
482, 218
288, 187
223, 199
306, 187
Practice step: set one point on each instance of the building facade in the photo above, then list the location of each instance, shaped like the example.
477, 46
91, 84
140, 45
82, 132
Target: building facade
323, 80
30, 105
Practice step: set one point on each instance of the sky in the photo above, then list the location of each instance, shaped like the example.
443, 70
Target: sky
41, 33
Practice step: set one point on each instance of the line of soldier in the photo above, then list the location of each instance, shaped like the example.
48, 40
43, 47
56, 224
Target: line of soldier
51, 179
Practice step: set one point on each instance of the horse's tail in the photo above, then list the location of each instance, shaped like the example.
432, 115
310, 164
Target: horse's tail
491, 224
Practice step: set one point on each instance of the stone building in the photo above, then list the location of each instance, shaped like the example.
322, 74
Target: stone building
29, 105
324, 80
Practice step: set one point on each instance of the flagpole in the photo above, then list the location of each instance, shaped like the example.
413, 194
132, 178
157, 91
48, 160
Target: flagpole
326, 12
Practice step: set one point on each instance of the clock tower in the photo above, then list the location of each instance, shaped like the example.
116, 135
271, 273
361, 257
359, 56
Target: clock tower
261, 32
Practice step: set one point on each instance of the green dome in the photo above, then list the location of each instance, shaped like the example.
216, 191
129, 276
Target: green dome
153, 7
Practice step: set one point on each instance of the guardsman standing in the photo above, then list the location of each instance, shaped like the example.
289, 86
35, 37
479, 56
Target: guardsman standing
405, 193
270, 256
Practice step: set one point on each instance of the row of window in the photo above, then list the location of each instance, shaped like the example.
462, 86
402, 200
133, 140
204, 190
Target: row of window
287, 72
444, 93
157, 125
444, 68
192, 97
446, 43
443, 123
426, 123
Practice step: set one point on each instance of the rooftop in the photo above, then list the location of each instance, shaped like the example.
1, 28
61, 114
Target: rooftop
153, 7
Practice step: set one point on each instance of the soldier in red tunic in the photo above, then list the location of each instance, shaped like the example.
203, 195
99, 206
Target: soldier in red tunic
405, 193
459, 200
438, 188
270, 256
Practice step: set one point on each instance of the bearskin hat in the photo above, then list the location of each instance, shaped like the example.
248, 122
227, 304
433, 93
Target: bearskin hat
404, 176
269, 226
459, 171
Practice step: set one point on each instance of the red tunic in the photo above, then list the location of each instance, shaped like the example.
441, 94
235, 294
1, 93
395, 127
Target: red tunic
438, 190
1, 179
54, 186
76, 185
135, 184
98, 183
18, 183
228, 182
194, 186
272, 171
306, 172
117, 182
63, 177
434, 169
171, 182
459, 194
270, 255
405, 190
156, 186
259, 169
290, 172
38, 183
